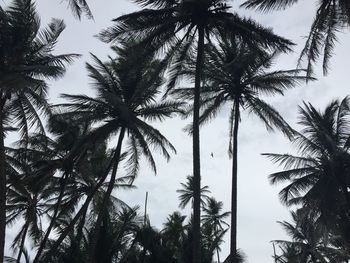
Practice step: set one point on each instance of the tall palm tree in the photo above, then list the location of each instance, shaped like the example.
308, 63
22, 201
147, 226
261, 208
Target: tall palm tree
187, 193
127, 89
237, 74
318, 176
26, 61
174, 25
331, 17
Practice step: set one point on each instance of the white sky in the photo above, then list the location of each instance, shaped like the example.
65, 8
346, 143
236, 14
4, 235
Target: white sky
259, 206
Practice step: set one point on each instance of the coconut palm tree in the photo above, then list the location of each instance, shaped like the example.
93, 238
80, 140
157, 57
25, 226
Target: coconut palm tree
238, 75
331, 17
187, 193
212, 218
127, 89
74, 180
318, 177
26, 62
310, 240
174, 232
24, 200
175, 26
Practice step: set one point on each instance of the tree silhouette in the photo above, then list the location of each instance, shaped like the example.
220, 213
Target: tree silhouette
318, 177
331, 17
26, 62
237, 74
174, 25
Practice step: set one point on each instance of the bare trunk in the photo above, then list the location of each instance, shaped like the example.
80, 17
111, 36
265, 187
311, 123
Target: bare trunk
81, 227
196, 151
103, 211
233, 247
53, 219
21, 247
2, 184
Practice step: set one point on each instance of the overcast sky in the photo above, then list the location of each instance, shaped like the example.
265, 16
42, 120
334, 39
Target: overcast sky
259, 206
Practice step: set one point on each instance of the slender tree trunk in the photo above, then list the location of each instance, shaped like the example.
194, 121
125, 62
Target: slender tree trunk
103, 211
81, 211
53, 219
217, 253
81, 227
233, 247
76, 244
196, 151
2, 184
143, 255
145, 215
21, 247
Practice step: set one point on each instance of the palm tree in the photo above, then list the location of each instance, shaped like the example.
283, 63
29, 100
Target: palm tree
318, 176
174, 25
26, 61
237, 74
331, 17
174, 232
75, 178
40, 174
214, 219
310, 240
127, 89
24, 199
187, 193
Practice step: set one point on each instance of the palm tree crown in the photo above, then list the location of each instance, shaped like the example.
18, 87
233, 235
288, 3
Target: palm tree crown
318, 177
186, 193
331, 17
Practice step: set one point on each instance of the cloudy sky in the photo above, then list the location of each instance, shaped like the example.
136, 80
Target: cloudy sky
259, 206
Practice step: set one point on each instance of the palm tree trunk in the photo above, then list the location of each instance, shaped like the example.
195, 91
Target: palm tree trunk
2, 184
81, 227
81, 211
21, 248
102, 212
196, 150
233, 247
54, 217
217, 253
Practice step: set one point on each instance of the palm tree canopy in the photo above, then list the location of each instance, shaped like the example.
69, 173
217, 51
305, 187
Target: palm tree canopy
311, 241
323, 144
173, 25
127, 90
213, 216
186, 193
235, 71
166, 18
319, 176
331, 17
26, 61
